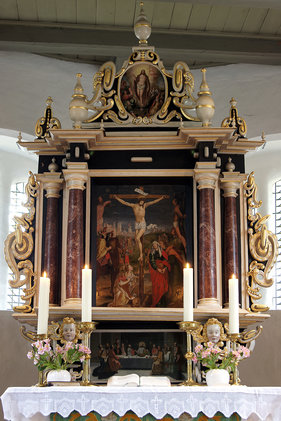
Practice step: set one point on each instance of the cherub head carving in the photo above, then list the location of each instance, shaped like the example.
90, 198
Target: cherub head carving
213, 331
68, 330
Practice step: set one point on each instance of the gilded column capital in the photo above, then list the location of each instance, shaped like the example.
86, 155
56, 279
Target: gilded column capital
206, 174
52, 183
76, 175
230, 183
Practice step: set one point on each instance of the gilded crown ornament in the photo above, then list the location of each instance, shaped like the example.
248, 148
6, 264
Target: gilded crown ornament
238, 123
44, 124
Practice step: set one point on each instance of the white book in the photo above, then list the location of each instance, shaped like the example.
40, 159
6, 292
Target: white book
134, 380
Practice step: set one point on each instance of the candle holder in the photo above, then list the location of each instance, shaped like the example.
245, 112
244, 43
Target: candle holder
234, 337
42, 381
86, 328
189, 328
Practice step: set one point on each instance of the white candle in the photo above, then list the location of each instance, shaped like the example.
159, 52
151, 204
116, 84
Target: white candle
233, 305
187, 294
86, 295
43, 305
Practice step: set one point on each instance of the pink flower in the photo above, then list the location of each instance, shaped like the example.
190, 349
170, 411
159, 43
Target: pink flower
82, 358
29, 355
47, 348
68, 346
84, 349
198, 348
59, 349
40, 350
194, 359
206, 353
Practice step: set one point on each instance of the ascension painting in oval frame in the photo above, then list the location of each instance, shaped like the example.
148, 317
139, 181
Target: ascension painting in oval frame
142, 90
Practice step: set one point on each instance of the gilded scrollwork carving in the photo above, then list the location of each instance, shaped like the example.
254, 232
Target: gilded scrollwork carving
18, 248
141, 93
263, 247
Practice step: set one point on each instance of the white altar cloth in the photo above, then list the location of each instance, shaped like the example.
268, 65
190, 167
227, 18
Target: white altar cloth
253, 403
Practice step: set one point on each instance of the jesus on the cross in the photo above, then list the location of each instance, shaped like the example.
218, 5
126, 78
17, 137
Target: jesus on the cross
139, 211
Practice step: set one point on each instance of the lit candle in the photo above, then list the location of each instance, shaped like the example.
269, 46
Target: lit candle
86, 294
233, 305
188, 294
43, 305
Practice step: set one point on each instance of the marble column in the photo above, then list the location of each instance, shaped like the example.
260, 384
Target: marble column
75, 176
52, 183
206, 176
230, 183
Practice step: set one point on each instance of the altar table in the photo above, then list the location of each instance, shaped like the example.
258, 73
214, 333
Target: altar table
178, 402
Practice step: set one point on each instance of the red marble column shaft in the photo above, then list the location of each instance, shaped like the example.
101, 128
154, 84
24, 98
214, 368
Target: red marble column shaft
230, 256
75, 244
51, 260
207, 268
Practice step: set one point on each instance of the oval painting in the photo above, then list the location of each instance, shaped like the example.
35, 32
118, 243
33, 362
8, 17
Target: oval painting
142, 90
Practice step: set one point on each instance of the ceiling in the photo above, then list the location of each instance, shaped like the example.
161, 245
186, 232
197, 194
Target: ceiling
201, 33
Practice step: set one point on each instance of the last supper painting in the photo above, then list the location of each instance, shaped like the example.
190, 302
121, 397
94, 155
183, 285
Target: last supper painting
142, 240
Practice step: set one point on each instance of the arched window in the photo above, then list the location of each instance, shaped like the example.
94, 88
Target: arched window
277, 269
16, 208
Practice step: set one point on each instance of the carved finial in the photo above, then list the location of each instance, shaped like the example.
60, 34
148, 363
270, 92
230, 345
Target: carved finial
263, 139
205, 107
19, 137
78, 107
230, 166
238, 123
53, 167
44, 124
142, 26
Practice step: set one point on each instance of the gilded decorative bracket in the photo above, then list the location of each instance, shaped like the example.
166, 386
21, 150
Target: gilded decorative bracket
18, 247
263, 247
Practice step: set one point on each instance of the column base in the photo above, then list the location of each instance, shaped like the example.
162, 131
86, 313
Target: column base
72, 302
206, 303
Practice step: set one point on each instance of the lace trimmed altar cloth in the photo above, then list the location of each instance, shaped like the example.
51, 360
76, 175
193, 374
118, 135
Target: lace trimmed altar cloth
253, 403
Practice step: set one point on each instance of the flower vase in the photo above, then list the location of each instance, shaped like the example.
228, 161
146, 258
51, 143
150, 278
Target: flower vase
217, 377
58, 376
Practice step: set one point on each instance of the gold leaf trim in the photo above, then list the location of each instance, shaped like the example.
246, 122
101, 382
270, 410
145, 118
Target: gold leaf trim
18, 247
263, 247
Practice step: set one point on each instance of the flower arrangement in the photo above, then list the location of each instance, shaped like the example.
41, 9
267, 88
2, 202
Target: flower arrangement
45, 358
214, 357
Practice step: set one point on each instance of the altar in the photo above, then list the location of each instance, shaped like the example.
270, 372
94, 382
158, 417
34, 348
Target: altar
155, 202
111, 403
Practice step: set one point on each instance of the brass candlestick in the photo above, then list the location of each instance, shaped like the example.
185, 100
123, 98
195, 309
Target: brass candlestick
233, 339
42, 382
189, 328
86, 329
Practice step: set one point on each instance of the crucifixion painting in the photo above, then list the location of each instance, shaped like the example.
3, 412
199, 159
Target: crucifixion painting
141, 245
